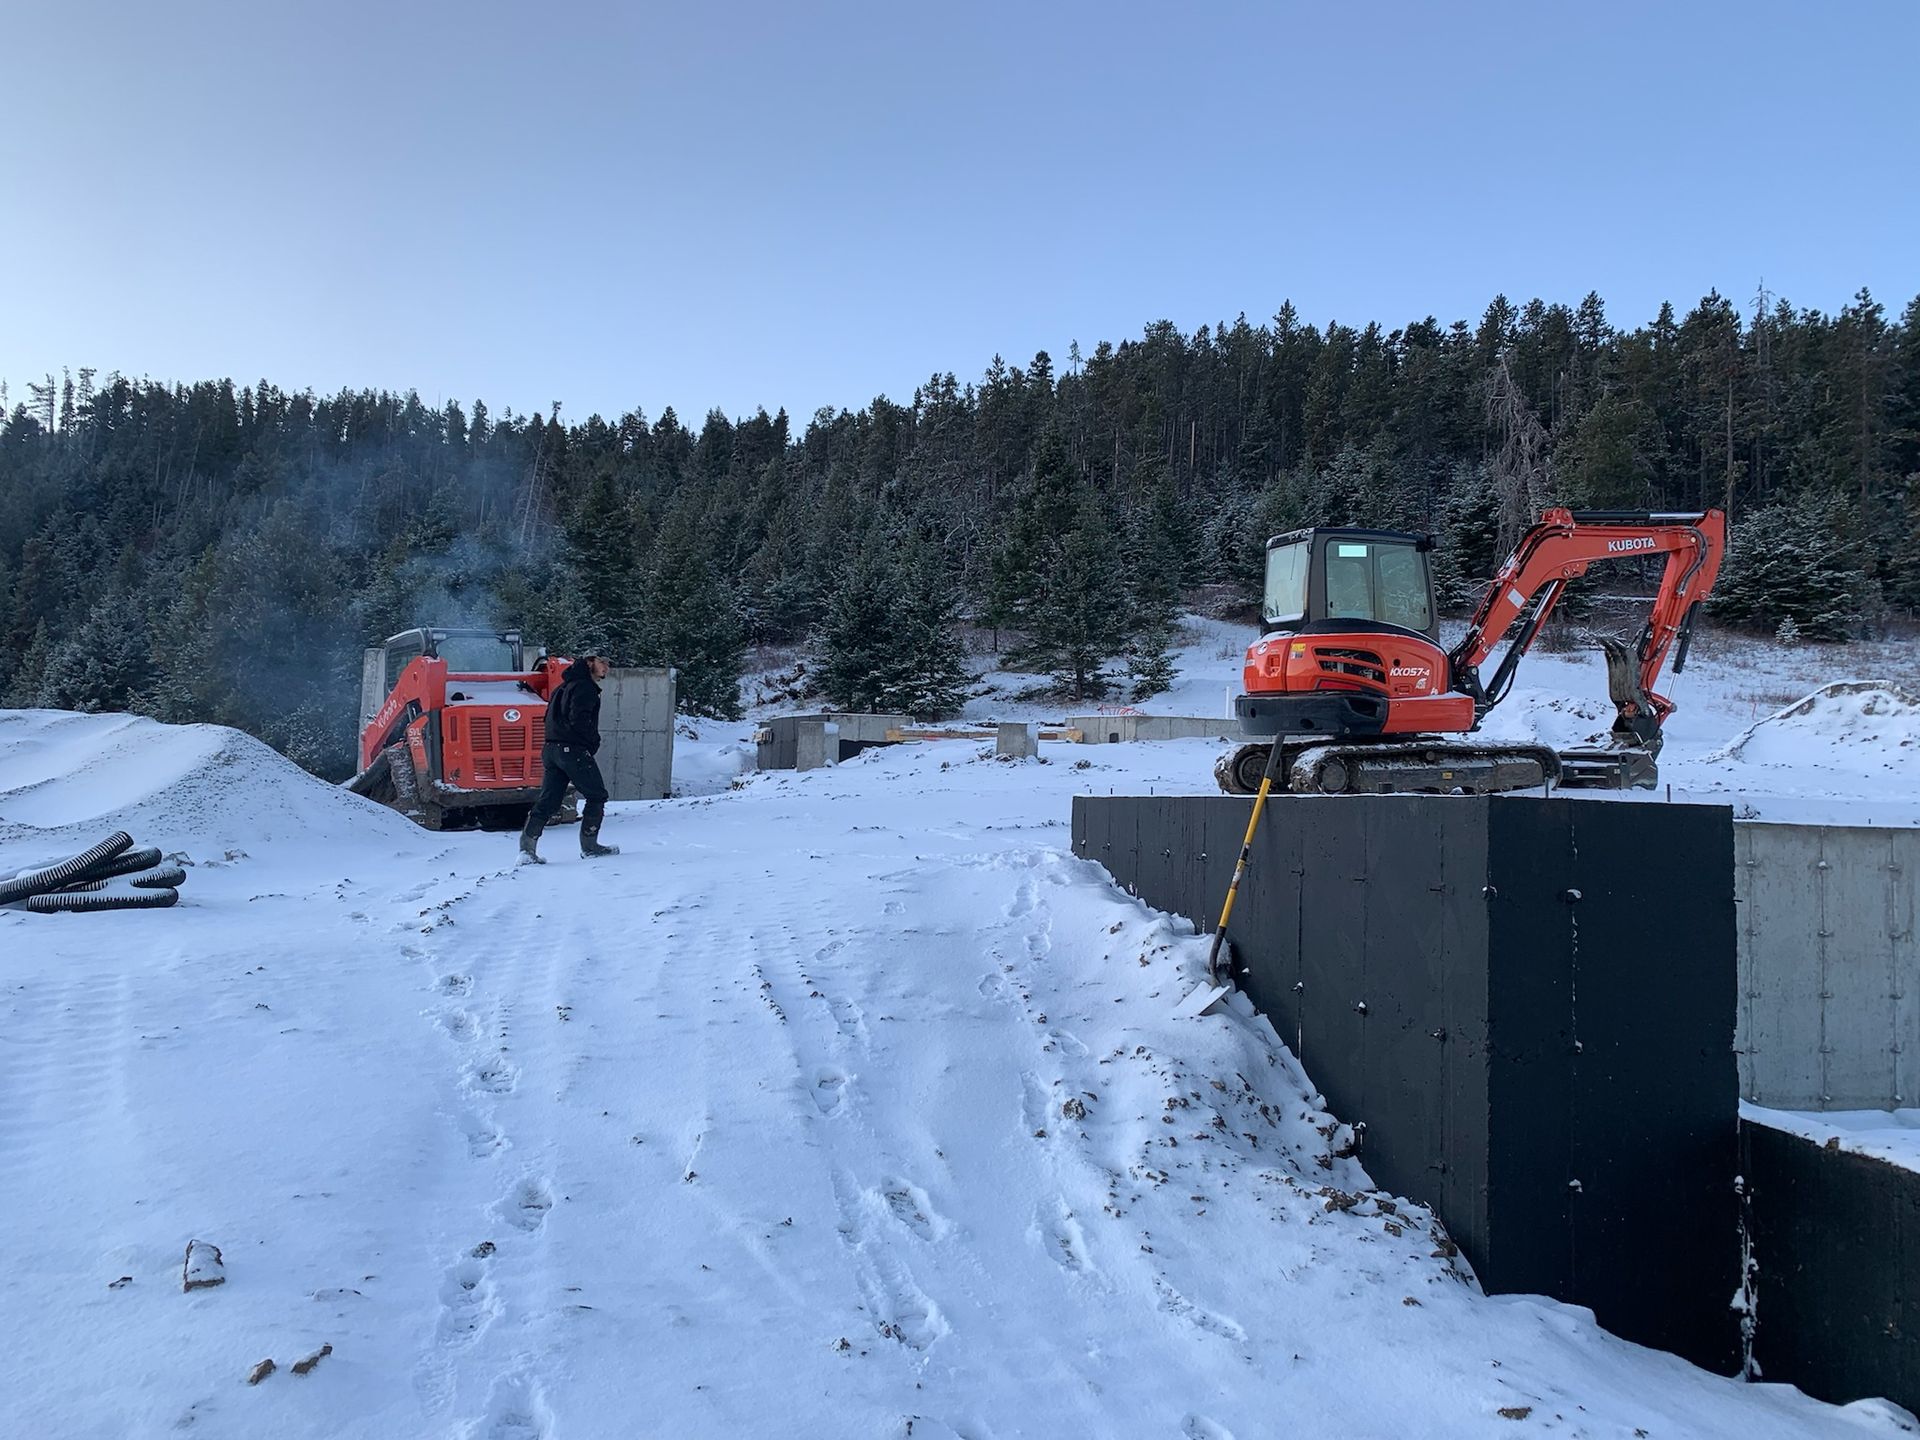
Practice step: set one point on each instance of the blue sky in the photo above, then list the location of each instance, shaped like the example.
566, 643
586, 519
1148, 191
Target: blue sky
809, 204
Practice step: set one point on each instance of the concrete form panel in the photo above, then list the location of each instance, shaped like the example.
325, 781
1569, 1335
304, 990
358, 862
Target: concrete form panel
373, 684
1785, 1018
1856, 953
1903, 877
636, 732
815, 743
1642, 1137
778, 738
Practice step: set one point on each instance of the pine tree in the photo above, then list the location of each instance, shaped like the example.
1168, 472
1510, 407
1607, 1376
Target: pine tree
1150, 661
890, 642
1156, 552
1043, 516
693, 620
1077, 616
606, 578
1784, 563
105, 664
927, 631
856, 664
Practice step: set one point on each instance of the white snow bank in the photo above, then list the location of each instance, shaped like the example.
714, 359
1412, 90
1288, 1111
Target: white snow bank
709, 755
67, 779
1876, 724
1891, 1135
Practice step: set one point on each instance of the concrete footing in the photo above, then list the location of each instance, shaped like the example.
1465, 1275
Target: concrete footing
1014, 741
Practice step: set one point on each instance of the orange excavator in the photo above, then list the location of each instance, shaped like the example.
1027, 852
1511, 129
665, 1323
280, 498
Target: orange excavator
1348, 690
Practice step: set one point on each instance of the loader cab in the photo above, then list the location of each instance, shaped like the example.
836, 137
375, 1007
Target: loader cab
466, 651
1323, 580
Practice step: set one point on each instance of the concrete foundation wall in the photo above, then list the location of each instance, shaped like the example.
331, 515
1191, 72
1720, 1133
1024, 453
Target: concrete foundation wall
779, 744
1120, 729
636, 732
1533, 1022
1829, 1013
1836, 1239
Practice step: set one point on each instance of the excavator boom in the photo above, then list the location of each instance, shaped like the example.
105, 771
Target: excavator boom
1558, 550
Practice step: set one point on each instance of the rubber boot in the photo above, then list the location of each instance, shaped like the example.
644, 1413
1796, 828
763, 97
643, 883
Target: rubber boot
590, 846
529, 839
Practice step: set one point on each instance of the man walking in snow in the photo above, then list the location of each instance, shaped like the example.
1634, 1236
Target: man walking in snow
573, 735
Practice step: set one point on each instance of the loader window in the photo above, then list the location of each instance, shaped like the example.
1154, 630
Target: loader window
1286, 601
398, 658
1381, 580
475, 654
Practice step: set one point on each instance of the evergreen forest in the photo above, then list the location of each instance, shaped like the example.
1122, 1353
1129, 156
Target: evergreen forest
221, 552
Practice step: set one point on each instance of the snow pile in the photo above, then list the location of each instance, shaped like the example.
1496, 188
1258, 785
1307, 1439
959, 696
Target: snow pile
67, 777
1869, 725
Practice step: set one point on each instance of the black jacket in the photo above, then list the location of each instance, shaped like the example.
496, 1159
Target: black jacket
573, 714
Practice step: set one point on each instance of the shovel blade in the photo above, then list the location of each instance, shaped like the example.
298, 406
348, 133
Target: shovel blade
1200, 1001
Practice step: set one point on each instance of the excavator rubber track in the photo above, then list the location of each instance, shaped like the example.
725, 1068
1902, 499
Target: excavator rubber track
1415, 767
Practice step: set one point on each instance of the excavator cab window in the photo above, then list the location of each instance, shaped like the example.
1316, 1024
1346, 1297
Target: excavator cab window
1380, 580
1286, 599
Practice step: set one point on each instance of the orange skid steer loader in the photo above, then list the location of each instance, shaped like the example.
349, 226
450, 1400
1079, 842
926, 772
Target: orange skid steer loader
452, 721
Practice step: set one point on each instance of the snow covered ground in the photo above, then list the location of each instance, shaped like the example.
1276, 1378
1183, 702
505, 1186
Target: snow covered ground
1845, 759
839, 1104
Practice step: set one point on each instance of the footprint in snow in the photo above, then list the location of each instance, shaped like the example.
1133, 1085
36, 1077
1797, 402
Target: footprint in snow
483, 1139
466, 1304
459, 1025
829, 1091
527, 1206
517, 1410
493, 1076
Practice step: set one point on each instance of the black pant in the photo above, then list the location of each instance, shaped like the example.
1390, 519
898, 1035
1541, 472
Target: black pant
561, 766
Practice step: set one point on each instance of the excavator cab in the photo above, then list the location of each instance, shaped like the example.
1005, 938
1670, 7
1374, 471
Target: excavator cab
1348, 580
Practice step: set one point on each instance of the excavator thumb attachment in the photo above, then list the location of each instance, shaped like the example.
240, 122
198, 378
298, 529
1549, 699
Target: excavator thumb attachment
1635, 722
1626, 761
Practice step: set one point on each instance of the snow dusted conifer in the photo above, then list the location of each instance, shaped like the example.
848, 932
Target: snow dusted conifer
1790, 561
890, 643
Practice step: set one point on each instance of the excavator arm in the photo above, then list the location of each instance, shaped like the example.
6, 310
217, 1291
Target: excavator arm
1558, 550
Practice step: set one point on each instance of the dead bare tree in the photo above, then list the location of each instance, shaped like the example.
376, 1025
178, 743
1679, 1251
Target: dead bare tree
1520, 463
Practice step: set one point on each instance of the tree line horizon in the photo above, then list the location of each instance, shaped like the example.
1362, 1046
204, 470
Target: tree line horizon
220, 552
